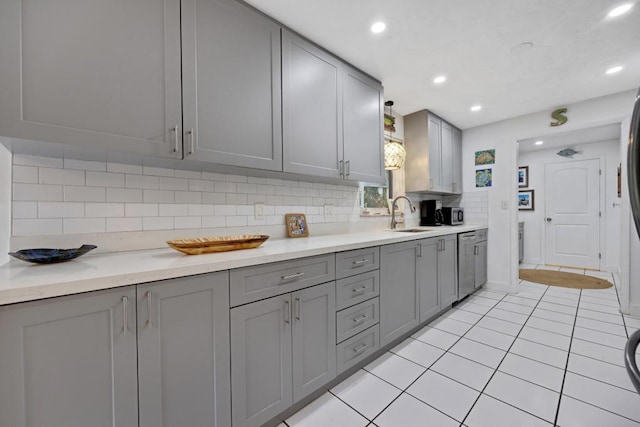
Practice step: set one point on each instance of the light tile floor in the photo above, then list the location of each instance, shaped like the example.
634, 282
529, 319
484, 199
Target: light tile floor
546, 356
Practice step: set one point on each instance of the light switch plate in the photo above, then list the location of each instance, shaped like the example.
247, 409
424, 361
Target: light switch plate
259, 210
505, 204
328, 212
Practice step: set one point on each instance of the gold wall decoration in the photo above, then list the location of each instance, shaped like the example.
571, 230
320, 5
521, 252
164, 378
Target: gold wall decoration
559, 116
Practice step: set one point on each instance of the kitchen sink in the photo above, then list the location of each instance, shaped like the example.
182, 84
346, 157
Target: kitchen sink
416, 230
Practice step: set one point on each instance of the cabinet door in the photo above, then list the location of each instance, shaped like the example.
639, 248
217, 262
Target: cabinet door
183, 352
102, 74
481, 263
261, 361
231, 65
446, 155
428, 278
398, 290
363, 111
457, 161
314, 338
70, 361
312, 109
447, 271
435, 153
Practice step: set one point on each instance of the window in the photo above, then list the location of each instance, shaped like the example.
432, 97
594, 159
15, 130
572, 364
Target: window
374, 198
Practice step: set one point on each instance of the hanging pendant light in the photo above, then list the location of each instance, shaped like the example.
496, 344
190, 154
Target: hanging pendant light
394, 152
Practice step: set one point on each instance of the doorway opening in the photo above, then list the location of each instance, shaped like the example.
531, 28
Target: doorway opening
568, 205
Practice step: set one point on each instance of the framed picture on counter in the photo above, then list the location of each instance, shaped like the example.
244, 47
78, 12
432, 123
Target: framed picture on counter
523, 176
296, 225
526, 200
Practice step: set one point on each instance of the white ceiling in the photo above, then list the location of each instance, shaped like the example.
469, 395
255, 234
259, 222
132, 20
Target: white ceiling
470, 42
572, 139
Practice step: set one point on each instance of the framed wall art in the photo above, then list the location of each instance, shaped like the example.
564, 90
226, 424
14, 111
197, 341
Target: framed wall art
523, 176
485, 157
526, 200
484, 178
296, 225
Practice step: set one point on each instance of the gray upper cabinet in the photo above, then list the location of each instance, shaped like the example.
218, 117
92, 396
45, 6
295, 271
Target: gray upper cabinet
363, 127
183, 352
70, 361
428, 287
261, 360
102, 74
447, 270
312, 109
231, 85
457, 161
314, 338
433, 154
399, 312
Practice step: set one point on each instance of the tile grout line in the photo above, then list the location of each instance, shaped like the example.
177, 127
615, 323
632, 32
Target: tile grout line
498, 367
566, 367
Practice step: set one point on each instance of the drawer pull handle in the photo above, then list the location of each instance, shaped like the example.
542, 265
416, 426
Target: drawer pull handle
359, 319
360, 263
292, 276
362, 347
359, 290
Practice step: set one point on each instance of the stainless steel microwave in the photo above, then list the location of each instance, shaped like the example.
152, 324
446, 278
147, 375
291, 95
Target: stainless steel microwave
453, 216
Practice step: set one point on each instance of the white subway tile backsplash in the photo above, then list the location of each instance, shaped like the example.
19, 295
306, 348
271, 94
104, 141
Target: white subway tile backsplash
104, 210
105, 179
83, 225
142, 181
124, 195
37, 192
74, 193
37, 227
85, 165
25, 174
157, 223
157, 196
122, 168
25, 210
60, 210
60, 176
115, 225
61, 196
140, 209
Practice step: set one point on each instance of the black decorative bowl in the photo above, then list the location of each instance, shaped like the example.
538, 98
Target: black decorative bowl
51, 256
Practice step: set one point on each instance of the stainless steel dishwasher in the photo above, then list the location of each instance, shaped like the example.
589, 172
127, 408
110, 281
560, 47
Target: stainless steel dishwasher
466, 263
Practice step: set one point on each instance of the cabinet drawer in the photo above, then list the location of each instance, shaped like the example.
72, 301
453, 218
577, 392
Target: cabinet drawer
357, 348
356, 289
358, 261
264, 281
356, 319
481, 234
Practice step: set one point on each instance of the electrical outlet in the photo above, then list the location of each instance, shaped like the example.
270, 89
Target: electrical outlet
259, 210
328, 212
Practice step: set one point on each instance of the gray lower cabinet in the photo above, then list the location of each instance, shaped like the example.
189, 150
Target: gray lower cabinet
183, 352
448, 270
81, 73
480, 263
312, 109
363, 127
231, 84
282, 348
399, 300
428, 287
70, 361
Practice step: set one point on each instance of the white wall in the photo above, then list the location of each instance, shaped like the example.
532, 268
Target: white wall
502, 136
534, 220
5, 203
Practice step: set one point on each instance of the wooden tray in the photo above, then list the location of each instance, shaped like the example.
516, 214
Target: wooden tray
206, 245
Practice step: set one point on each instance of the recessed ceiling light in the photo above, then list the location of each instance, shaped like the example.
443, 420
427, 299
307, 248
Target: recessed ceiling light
440, 79
620, 10
378, 27
476, 108
539, 142
614, 70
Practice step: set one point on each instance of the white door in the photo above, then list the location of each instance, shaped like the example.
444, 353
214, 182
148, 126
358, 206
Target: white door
572, 199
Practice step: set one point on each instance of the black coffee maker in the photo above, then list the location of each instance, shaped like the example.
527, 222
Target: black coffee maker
431, 212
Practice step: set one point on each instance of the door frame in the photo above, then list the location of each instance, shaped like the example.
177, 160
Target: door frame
602, 238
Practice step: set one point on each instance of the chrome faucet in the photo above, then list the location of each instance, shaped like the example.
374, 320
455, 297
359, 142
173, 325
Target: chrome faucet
393, 210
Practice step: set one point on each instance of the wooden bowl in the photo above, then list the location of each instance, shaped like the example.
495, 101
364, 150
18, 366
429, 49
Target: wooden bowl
207, 245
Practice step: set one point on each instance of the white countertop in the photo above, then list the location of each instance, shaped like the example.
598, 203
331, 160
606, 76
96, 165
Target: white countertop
21, 281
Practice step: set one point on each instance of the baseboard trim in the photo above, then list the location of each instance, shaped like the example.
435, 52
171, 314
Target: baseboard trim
531, 261
500, 287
